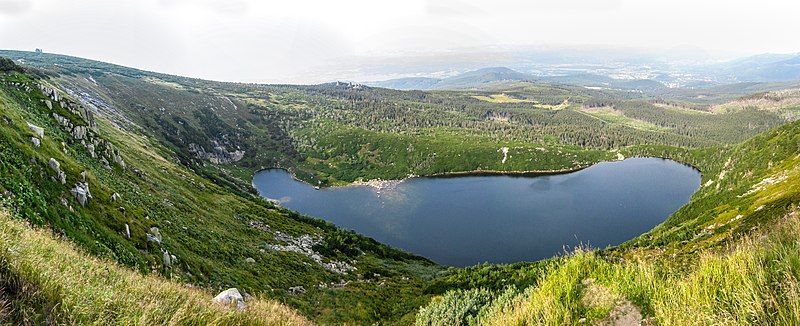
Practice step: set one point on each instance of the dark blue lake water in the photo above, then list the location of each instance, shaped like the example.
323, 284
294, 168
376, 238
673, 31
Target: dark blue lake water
462, 221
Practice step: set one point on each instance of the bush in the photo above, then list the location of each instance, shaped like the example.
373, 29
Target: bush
8, 65
455, 308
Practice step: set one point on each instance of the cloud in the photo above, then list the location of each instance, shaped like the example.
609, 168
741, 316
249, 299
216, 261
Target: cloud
15, 7
236, 7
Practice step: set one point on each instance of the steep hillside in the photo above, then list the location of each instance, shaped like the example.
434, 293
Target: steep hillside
44, 280
123, 196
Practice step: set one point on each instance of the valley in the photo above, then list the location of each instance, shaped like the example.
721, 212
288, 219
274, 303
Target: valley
153, 175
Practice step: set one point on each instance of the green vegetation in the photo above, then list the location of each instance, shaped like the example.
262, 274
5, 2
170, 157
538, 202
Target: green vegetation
214, 238
205, 123
719, 258
190, 147
610, 115
45, 280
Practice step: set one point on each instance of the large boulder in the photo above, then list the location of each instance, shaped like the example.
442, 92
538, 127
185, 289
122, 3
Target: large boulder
229, 297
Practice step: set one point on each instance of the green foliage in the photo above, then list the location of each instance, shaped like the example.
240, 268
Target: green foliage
454, 308
182, 138
206, 227
7, 65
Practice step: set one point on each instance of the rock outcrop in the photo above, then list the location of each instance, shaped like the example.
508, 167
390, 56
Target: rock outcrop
56, 167
39, 131
218, 155
82, 128
81, 193
304, 245
154, 235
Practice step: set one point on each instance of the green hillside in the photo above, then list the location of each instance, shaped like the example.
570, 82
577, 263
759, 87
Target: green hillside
729, 256
148, 176
152, 214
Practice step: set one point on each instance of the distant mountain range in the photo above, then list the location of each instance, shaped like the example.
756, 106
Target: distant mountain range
479, 79
758, 68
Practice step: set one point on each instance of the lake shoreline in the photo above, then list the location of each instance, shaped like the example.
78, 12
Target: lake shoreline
383, 184
437, 218
380, 184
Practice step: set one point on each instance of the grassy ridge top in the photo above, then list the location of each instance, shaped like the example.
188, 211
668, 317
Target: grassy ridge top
49, 279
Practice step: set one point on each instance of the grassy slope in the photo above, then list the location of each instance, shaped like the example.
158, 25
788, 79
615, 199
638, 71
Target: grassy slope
204, 225
719, 259
45, 279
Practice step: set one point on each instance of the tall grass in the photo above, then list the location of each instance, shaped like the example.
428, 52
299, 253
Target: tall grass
754, 281
70, 287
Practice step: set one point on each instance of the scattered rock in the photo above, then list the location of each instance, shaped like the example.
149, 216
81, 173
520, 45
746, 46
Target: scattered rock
36, 142
90, 149
249, 260
229, 297
115, 196
297, 290
39, 131
304, 245
167, 259
154, 235
218, 155
60, 175
259, 225
127, 231
81, 193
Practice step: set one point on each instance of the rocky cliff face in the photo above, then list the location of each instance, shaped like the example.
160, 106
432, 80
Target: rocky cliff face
219, 154
80, 123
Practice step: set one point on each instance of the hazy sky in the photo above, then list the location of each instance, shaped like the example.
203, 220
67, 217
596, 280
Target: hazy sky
288, 40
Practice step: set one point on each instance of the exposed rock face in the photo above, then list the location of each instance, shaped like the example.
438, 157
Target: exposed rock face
219, 154
81, 193
304, 245
39, 131
79, 132
83, 129
154, 235
56, 167
229, 297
